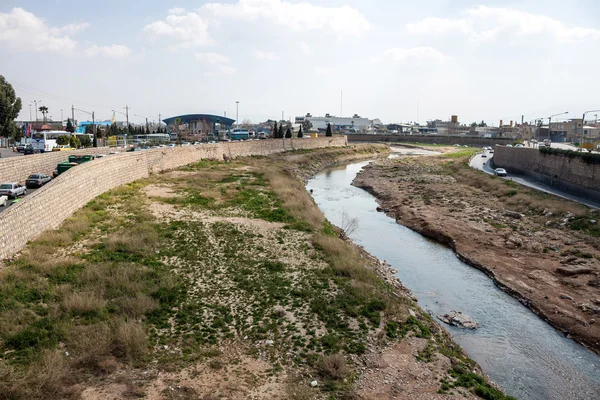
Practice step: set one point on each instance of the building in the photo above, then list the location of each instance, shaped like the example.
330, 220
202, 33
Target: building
197, 126
566, 131
355, 123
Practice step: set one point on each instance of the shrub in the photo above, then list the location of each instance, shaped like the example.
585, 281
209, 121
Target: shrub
334, 367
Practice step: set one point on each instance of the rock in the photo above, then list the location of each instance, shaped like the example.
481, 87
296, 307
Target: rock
313, 383
456, 318
412, 313
566, 297
269, 342
571, 270
513, 214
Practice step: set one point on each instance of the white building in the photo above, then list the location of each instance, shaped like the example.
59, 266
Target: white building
355, 123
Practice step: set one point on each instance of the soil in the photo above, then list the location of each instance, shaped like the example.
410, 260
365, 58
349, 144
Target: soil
531, 254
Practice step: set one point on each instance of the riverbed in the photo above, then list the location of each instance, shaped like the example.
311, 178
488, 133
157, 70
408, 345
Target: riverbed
521, 353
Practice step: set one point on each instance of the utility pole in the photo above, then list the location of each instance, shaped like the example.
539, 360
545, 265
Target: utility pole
93, 125
127, 116
30, 112
341, 103
159, 120
36, 108
61, 116
237, 113
73, 114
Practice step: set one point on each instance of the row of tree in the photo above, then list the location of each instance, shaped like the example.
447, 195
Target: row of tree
277, 133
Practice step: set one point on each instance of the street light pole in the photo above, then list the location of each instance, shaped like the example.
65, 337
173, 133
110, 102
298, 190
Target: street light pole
237, 113
36, 108
30, 112
550, 123
582, 127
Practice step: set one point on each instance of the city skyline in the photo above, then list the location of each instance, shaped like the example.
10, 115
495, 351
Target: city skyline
392, 61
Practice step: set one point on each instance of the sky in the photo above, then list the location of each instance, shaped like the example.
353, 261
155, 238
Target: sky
398, 61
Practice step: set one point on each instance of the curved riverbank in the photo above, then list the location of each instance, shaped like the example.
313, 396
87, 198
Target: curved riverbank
522, 252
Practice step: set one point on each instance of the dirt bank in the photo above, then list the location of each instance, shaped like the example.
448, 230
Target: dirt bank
543, 250
218, 280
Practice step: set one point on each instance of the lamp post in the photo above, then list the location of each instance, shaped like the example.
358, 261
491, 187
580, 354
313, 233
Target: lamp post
550, 123
582, 126
237, 113
30, 120
36, 108
93, 119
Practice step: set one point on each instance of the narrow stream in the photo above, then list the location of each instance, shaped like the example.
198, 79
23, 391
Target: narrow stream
519, 351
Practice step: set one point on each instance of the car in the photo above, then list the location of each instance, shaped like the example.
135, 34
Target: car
12, 190
483, 155
3, 200
500, 172
509, 145
519, 145
491, 151
28, 149
20, 148
62, 148
37, 180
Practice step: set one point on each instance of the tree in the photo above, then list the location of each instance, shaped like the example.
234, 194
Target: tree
85, 141
99, 132
44, 111
274, 134
89, 129
177, 123
307, 125
10, 107
300, 132
63, 140
482, 124
328, 131
74, 142
70, 128
474, 125
288, 133
280, 132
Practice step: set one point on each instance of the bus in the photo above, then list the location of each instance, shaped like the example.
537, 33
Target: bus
239, 134
152, 139
46, 140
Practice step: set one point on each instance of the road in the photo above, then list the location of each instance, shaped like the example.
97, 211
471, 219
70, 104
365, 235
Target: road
483, 164
5, 153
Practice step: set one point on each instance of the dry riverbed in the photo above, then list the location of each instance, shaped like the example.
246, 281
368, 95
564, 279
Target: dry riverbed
542, 249
218, 281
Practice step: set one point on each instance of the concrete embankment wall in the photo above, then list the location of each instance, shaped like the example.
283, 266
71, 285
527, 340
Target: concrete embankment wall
430, 139
569, 174
49, 206
17, 169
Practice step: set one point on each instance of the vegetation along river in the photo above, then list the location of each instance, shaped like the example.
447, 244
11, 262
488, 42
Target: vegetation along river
520, 352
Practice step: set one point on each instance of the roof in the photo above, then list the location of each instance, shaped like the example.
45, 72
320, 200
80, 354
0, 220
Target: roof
215, 119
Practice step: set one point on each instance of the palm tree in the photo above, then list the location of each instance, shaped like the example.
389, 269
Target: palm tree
44, 111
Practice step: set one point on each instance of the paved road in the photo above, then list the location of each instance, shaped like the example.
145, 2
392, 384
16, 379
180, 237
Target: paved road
5, 153
483, 164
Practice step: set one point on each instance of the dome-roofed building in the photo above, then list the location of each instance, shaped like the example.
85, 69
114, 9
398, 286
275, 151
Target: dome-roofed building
197, 125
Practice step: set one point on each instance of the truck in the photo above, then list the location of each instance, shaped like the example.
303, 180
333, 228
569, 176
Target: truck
73, 161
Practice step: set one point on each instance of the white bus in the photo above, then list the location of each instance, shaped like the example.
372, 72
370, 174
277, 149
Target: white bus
45, 141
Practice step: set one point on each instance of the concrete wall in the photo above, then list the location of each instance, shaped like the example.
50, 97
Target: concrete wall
49, 206
17, 169
430, 139
572, 175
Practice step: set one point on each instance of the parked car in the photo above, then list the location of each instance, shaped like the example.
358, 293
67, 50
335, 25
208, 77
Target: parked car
12, 190
483, 155
28, 149
62, 148
20, 147
3, 200
519, 145
37, 180
509, 145
500, 172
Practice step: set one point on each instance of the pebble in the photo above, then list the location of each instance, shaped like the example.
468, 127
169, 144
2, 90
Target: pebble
313, 383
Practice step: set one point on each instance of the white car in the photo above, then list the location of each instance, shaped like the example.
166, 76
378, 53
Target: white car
500, 172
3, 200
12, 190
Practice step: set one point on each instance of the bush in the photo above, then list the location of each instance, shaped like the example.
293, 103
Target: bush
334, 367
589, 158
74, 142
85, 141
63, 140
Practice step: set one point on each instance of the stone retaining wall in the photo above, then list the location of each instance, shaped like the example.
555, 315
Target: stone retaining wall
570, 174
430, 139
50, 205
17, 169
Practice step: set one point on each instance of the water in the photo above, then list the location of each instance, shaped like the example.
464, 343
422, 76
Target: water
519, 351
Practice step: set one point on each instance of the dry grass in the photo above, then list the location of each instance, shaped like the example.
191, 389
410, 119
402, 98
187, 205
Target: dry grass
83, 303
334, 367
91, 346
130, 340
136, 306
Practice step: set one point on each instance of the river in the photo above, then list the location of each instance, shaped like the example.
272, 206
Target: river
520, 352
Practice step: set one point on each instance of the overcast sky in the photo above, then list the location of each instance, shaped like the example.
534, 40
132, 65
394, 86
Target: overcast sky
394, 60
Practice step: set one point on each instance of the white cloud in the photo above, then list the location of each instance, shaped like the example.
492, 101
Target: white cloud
114, 51
323, 71
304, 47
484, 23
414, 55
177, 10
22, 30
187, 30
343, 21
265, 55
216, 64
71, 29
